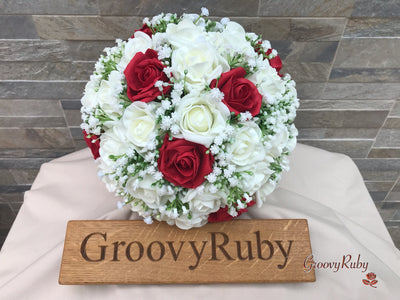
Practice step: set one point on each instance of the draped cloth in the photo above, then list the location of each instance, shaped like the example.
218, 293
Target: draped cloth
324, 188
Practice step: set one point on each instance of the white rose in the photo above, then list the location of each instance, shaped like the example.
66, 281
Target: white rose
292, 141
279, 141
149, 194
269, 83
201, 61
251, 183
108, 100
112, 142
183, 33
247, 148
267, 188
201, 119
183, 222
90, 98
140, 43
232, 40
203, 202
139, 123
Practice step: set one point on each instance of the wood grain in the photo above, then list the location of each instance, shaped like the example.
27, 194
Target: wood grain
132, 252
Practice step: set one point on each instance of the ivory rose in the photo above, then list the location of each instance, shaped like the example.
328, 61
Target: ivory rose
183, 222
203, 201
232, 38
201, 119
139, 42
198, 63
247, 148
147, 193
139, 122
107, 97
268, 83
184, 33
112, 142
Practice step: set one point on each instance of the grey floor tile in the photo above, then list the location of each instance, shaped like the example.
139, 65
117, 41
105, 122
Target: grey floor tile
44, 7
17, 27
376, 8
372, 27
306, 8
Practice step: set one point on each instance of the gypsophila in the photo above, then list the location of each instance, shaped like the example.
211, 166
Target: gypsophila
190, 120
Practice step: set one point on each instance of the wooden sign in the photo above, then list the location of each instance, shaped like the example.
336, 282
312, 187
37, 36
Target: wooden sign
132, 252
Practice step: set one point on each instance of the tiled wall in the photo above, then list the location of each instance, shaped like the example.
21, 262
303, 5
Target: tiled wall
344, 55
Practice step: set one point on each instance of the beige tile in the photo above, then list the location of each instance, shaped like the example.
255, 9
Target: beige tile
307, 72
270, 28
24, 176
384, 153
17, 27
379, 186
310, 90
32, 122
43, 138
358, 91
27, 108
43, 7
338, 133
359, 105
395, 112
340, 119
32, 153
316, 29
306, 52
306, 8
6, 177
226, 8
73, 117
368, 53
367, 75
86, 27
41, 89
388, 138
372, 27
352, 148
379, 169
46, 70
51, 50
376, 8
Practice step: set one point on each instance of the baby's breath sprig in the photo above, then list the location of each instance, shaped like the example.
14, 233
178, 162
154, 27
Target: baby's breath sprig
238, 60
124, 97
101, 115
160, 25
177, 204
110, 62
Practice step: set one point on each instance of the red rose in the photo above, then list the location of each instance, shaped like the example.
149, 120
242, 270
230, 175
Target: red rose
223, 215
184, 163
240, 94
371, 276
94, 146
146, 29
142, 72
275, 62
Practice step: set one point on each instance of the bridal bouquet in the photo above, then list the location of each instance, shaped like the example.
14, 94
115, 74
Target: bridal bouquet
189, 119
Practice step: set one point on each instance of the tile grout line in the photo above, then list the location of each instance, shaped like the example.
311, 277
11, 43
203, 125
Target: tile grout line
380, 128
392, 188
334, 57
